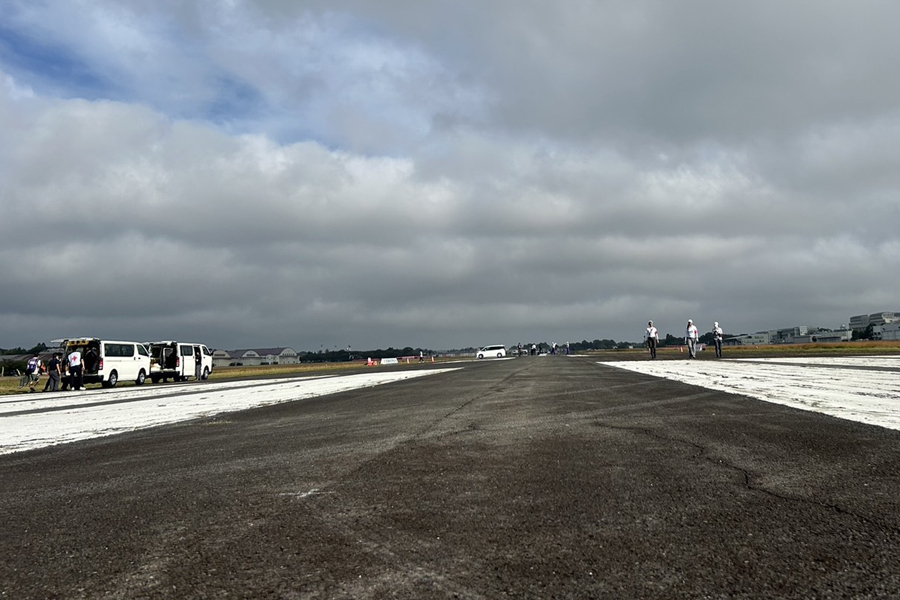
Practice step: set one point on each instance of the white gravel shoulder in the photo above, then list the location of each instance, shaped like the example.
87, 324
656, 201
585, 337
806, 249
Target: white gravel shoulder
38, 420
825, 385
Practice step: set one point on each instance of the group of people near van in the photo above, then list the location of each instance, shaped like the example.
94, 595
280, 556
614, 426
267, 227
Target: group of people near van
691, 339
56, 368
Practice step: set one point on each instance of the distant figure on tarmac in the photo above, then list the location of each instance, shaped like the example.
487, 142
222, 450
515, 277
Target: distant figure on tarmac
717, 338
691, 336
567, 348
651, 337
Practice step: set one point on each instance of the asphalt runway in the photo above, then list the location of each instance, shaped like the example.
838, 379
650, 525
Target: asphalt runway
538, 477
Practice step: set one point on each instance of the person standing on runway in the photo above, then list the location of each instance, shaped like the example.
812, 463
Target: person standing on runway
76, 370
53, 374
651, 337
717, 338
690, 337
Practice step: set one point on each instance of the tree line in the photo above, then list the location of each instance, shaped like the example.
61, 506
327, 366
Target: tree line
19, 350
11, 366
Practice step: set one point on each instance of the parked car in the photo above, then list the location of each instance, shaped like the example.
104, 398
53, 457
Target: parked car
497, 350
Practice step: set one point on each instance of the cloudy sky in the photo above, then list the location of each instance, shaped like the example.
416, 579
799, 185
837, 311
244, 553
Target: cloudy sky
442, 174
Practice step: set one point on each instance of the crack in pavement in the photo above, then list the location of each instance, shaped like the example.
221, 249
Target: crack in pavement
705, 454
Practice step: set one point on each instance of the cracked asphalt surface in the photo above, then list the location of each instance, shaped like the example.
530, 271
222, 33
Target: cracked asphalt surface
539, 477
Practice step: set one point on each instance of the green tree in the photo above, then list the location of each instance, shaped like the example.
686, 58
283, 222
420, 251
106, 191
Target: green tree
867, 334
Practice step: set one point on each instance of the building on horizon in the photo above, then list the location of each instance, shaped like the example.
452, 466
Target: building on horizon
887, 332
256, 356
861, 322
790, 335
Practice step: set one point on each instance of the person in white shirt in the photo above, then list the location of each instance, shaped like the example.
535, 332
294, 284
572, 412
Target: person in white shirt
717, 338
76, 370
690, 337
651, 338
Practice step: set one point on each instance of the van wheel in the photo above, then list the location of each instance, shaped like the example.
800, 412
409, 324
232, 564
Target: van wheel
142, 377
113, 380
499, 355
205, 372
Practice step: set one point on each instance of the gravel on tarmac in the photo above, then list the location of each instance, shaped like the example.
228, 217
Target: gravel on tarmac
538, 477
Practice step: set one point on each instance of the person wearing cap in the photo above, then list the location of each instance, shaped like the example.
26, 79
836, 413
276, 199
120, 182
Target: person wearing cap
651, 338
690, 337
717, 338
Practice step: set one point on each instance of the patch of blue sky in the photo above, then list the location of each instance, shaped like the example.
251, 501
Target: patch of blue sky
51, 68
234, 100
240, 108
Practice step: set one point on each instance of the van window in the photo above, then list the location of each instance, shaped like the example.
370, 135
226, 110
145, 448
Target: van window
187, 350
142, 350
119, 350
206, 351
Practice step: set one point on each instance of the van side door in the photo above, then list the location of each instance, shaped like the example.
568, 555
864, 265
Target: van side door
186, 364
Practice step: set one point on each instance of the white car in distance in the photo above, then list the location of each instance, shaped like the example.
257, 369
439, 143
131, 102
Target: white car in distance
498, 350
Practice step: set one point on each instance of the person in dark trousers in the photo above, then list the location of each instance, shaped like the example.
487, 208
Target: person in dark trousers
717, 338
198, 363
53, 374
63, 373
76, 370
652, 337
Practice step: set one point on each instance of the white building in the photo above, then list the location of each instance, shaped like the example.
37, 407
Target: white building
789, 335
256, 356
860, 322
883, 318
749, 339
888, 331
824, 337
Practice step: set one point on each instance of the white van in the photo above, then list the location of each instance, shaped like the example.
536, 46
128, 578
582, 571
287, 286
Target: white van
178, 361
108, 361
498, 350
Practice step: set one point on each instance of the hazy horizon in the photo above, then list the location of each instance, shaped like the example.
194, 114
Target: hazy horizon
443, 175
